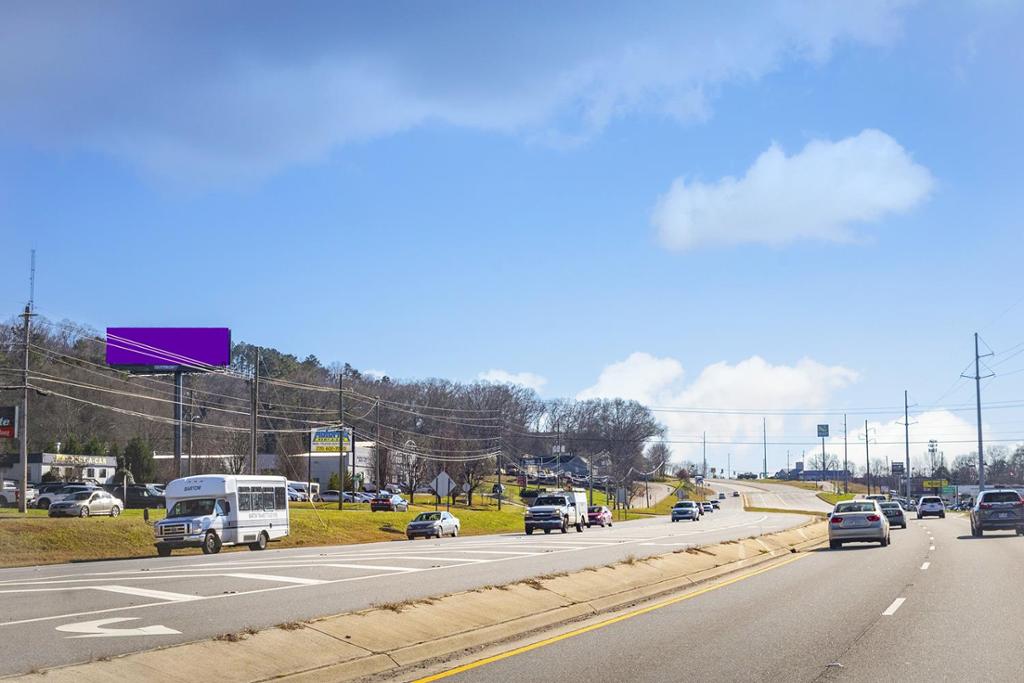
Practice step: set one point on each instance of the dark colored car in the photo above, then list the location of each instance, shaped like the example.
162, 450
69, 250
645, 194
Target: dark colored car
894, 511
997, 509
598, 515
388, 503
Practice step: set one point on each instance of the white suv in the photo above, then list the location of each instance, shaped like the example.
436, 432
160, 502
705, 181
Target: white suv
930, 505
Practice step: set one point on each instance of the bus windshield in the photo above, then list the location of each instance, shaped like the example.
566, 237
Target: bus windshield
196, 507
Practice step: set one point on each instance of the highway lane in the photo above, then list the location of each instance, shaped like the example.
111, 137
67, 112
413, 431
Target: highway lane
935, 605
185, 598
779, 496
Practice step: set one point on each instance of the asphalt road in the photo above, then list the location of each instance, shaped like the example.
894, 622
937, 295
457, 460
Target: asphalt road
935, 605
779, 496
47, 612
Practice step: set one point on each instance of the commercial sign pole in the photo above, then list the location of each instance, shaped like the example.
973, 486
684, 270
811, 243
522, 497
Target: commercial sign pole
823, 433
341, 450
906, 436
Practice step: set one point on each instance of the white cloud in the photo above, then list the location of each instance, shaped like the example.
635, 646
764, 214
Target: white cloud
821, 193
751, 384
379, 374
526, 379
205, 94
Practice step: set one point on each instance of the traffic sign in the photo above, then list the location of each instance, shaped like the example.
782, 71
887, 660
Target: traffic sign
443, 484
822, 431
949, 490
897, 467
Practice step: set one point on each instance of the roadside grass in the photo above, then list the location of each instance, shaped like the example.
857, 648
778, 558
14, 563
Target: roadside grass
37, 539
664, 506
833, 498
812, 513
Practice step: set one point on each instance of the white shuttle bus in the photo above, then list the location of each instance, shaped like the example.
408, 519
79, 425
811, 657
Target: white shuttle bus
215, 510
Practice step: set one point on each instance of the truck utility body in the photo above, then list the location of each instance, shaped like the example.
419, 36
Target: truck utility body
215, 510
557, 510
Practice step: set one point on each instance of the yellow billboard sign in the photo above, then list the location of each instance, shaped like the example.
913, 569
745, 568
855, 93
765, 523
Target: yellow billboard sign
935, 483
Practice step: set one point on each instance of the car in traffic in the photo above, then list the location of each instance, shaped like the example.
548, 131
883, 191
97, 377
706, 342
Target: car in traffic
894, 512
857, 521
715, 504
707, 507
85, 504
598, 515
388, 502
997, 509
929, 506
721, 496
433, 525
685, 509
735, 494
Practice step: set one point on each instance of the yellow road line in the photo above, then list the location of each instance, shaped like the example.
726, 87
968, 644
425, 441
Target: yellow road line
601, 624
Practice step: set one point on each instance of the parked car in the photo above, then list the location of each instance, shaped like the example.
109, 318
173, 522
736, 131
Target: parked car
894, 511
598, 515
433, 524
857, 521
86, 503
930, 505
388, 502
10, 493
685, 509
44, 502
331, 496
997, 509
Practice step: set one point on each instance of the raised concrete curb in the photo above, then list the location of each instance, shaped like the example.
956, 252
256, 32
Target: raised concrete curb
359, 644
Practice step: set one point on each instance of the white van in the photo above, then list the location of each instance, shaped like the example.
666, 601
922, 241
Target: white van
557, 510
211, 511
299, 487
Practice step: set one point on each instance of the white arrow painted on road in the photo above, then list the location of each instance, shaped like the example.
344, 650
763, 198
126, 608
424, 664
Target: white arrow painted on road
97, 629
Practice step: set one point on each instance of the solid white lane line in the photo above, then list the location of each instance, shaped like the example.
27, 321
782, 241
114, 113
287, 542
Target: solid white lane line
376, 567
896, 604
925, 565
271, 577
147, 593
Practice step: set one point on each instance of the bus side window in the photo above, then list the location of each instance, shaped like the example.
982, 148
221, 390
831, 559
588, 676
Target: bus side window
280, 500
268, 498
243, 498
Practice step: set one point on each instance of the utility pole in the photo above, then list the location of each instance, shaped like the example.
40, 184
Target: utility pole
787, 463
867, 456
341, 442
705, 441
977, 389
846, 466
179, 419
764, 436
376, 445
254, 410
26, 318
906, 438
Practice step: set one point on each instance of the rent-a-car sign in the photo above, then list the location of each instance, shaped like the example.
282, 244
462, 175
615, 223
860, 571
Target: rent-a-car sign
8, 422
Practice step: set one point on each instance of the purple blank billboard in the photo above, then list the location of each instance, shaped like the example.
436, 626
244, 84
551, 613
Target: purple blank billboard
143, 347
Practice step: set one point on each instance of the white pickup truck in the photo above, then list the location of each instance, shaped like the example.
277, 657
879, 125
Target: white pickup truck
9, 493
557, 510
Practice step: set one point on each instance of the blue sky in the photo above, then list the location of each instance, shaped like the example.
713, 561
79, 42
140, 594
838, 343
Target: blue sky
446, 191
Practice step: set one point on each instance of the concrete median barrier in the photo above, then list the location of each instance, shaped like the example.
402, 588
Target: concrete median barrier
390, 637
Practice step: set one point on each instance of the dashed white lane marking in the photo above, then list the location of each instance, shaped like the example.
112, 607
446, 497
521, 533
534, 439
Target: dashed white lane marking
147, 593
931, 547
925, 565
375, 567
272, 577
891, 609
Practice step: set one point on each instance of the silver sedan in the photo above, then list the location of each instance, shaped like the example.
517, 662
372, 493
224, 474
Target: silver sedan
86, 503
857, 521
433, 524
